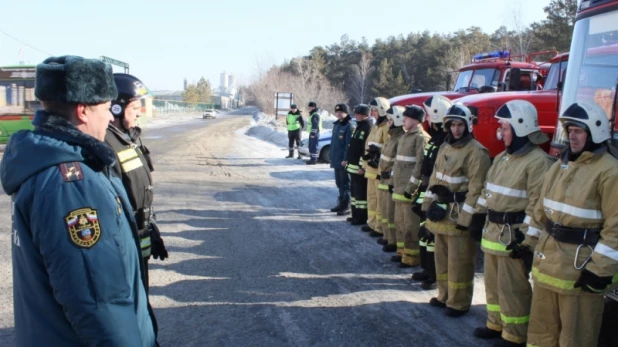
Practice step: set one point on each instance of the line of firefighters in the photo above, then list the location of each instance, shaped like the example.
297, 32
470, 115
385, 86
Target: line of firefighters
432, 195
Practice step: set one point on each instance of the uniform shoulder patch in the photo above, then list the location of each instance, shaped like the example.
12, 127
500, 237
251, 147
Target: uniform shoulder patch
71, 171
83, 226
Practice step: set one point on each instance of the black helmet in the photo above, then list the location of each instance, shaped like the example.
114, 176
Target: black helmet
341, 108
129, 88
362, 109
415, 112
312, 104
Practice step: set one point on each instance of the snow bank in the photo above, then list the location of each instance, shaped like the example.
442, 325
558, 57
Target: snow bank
163, 120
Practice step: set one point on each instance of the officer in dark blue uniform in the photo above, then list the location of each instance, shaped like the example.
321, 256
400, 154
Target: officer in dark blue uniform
339, 144
76, 265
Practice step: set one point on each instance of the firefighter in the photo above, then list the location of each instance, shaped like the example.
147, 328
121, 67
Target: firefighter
454, 187
134, 164
406, 181
387, 159
435, 108
576, 254
339, 144
511, 192
371, 159
295, 125
353, 165
314, 127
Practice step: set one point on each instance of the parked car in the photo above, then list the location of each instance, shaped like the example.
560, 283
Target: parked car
323, 146
209, 114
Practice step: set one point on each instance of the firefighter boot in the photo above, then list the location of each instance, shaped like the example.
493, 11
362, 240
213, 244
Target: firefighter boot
389, 248
396, 258
291, 155
451, 312
338, 207
382, 241
420, 276
486, 333
366, 228
507, 343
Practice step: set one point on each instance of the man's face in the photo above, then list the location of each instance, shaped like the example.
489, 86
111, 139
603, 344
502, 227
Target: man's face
374, 113
97, 118
409, 123
131, 113
293, 110
507, 133
311, 108
340, 114
390, 122
458, 127
577, 138
359, 117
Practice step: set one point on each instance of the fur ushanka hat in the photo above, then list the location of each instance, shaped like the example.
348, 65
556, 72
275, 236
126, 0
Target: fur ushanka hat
73, 79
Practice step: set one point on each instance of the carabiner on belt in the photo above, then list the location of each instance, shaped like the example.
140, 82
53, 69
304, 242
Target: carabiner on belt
455, 203
508, 228
577, 252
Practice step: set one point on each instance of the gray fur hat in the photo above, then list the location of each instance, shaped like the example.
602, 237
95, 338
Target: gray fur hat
74, 79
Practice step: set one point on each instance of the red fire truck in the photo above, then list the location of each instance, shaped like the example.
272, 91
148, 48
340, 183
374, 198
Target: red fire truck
484, 106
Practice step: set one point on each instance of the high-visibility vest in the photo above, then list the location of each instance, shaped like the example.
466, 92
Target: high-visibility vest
310, 121
293, 122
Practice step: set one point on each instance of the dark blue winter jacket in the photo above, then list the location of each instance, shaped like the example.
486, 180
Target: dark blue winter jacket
76, 266
340, 141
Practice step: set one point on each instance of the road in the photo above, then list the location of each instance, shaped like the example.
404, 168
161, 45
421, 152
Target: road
256, 258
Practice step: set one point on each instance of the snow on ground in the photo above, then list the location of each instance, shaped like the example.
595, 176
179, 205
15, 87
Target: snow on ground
163, 120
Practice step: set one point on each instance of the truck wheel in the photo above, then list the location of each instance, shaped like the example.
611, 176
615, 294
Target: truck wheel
325, 154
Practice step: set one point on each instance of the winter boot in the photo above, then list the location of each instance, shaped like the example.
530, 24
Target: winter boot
506, 343
451, 312
486, 333
429, 284
349, 219
389, 248
366, 228
338, 207
299, 157
436, 303
374, 233
291, 155
382, 242
311, 162
396, 258
420, 276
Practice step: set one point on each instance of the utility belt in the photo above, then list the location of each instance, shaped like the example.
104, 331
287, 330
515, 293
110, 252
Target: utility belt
576, 236
453, 197
506, 217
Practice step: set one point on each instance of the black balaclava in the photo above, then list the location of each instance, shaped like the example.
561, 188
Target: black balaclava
437, 136
517, 143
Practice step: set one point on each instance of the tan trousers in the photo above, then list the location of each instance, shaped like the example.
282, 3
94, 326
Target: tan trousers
509, 295
407, 224
373, 204
564, 320
384, 197
455, 257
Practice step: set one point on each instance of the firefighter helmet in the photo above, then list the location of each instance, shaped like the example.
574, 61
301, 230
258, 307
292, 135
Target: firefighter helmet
395, 114
130, 88
589, 116
436, 108
460, 112
380, 104
522, 116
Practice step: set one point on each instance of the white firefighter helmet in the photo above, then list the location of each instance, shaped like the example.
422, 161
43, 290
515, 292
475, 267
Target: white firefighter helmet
380, 104
522, 116
395, 114
460, 112
590, 116
436, 108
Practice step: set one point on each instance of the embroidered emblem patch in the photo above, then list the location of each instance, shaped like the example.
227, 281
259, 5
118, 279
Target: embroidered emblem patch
83, 226
71, 171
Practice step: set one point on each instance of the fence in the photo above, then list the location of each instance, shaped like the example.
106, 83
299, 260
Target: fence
171, 107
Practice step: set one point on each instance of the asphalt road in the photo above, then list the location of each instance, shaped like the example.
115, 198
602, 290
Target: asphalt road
256, 258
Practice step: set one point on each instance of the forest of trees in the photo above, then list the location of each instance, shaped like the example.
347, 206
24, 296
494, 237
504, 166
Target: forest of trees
355, 72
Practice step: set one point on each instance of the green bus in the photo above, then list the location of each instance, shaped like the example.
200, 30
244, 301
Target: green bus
17, 101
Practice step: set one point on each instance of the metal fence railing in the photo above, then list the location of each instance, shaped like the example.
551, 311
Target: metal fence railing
171, 107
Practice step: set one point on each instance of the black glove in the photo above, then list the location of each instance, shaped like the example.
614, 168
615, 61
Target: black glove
440, 190
386, 174
407, 195
523, 252
390, 189
372, 163
476, 226
430, 237
422, 233
379, 177
461, 227
436, 211
592, 283
373, 149
157, 246
416, 208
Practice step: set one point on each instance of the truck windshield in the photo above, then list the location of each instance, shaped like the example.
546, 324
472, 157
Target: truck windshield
17, 90
552, 77
475, 79
593, 67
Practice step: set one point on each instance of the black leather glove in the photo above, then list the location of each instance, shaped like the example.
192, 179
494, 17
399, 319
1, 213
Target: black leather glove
592, 283
416, 208
379, 177
476, 226
523, 252
430, 236
158, 249
461, 227
386, 174
372, 163
407, 195
390, 189
373, 149
436, 211
422, 233
440, 190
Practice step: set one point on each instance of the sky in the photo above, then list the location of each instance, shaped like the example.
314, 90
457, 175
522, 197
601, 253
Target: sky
167, 41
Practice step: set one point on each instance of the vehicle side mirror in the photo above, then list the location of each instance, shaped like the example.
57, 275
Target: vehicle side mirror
488, 89
515, 82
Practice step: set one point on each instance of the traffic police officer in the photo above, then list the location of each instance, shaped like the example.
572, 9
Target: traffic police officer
454, 188
76, 266
371, 159
339, 144
295, 124
134, 164
353, 162
577, 251
435, 109
511, 192
314, 128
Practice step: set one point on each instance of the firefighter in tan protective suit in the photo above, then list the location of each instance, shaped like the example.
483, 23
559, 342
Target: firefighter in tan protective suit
371, 159
387, 159
511, 192
576, 255
454, 188
406, 179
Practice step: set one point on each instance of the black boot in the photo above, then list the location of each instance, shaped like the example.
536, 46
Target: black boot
299, 157
506, 343
374, 233
396, 259
291, 155
420, 276
311, 162
382, 242
349, 219
436, 303
451, 312
366, 228
486, 333
389, 248
338, 207
429, 284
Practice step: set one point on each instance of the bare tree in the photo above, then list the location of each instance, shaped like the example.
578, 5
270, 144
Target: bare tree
360, 78
523, 35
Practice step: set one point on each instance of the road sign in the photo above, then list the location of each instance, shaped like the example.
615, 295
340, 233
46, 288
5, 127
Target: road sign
115, 62
282, 103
